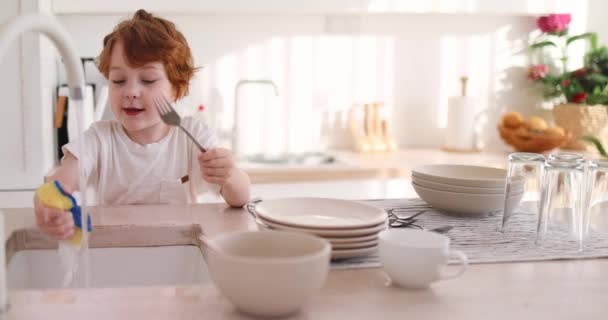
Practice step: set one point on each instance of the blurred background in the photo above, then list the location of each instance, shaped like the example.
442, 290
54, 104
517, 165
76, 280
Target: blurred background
298, 77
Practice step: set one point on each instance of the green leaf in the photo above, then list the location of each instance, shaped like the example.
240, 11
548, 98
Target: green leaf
588, 35
598, 78
597, 90
543, 44
598, 145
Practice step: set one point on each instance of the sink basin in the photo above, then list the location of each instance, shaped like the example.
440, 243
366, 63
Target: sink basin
302, 159
112, 267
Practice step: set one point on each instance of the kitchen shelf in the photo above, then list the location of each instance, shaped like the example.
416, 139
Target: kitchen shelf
492, 7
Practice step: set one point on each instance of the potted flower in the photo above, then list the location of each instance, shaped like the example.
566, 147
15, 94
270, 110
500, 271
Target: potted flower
580, 96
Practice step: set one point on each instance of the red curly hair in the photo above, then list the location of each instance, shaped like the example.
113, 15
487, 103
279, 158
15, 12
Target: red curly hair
146, 39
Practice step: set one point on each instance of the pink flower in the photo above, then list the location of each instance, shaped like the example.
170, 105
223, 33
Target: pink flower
579, 97
565, 83
538, 72
554, 23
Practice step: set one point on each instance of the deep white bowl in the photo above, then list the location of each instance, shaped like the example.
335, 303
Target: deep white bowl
467, 204
461, 189
462, 175
269, 273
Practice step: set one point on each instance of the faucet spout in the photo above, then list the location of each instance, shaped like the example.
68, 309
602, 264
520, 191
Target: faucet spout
235, 125
50, 27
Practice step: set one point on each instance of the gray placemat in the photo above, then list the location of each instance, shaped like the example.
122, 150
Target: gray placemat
481, 240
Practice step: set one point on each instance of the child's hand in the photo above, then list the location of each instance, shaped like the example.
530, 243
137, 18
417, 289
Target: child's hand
58, 224
217, 165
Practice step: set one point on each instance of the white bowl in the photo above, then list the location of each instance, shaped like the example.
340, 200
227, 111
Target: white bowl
462, 175
455, 188
269, 273
468, 204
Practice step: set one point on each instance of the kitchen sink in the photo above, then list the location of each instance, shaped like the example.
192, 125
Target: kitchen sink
296, 159
112, 267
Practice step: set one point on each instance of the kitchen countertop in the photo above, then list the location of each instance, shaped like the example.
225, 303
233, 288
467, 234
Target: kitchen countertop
355, 165
545, 290
350, 166
548, 290
20, 221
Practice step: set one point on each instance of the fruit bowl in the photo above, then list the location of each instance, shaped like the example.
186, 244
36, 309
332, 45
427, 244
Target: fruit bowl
532, 141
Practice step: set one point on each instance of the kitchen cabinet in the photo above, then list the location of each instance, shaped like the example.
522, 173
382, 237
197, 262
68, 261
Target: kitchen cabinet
513, 7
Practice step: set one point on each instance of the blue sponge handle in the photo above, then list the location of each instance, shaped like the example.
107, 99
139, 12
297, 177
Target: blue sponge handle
76, 211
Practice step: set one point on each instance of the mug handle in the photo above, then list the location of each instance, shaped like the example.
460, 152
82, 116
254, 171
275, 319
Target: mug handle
464, 263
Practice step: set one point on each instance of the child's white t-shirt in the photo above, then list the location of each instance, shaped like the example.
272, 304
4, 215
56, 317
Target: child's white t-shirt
123, 172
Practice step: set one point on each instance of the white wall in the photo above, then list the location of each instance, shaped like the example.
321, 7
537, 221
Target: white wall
597, 21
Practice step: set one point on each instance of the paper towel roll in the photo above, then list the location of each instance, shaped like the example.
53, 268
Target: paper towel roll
460, 131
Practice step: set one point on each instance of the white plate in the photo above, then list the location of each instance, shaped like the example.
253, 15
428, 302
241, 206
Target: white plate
468, 204
342, 254
353, 245
344, 233
333, 239
462, 175
453, 188
372, 231
320, 213
273, 223
352, 239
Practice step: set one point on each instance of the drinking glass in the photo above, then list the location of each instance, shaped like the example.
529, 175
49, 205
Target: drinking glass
561, 219
596, 204
523, 176
567, 156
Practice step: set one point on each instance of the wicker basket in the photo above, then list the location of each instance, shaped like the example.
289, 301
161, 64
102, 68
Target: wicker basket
582, 120
532, 141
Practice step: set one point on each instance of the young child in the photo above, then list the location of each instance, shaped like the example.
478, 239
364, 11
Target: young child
137, 158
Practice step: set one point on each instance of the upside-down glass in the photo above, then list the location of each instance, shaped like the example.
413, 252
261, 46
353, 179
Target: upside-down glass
567, 156
523, 175
572, 157
596, 218
562, 210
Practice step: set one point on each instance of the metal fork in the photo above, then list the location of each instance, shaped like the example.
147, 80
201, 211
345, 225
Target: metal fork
170, 117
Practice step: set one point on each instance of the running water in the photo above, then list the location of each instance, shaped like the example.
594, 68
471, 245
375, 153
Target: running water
73, 257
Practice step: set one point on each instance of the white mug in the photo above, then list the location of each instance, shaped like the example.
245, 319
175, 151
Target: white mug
415, 258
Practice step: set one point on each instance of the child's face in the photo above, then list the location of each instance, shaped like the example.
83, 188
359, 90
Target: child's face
132, 90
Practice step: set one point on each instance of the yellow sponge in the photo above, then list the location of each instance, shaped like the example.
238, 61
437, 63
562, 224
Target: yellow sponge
52, 195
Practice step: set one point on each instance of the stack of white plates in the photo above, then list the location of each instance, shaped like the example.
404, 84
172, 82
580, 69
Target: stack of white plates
350, 227
464, 189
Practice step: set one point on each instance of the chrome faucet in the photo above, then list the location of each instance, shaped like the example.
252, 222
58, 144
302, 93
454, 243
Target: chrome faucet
52, 29
235, 125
